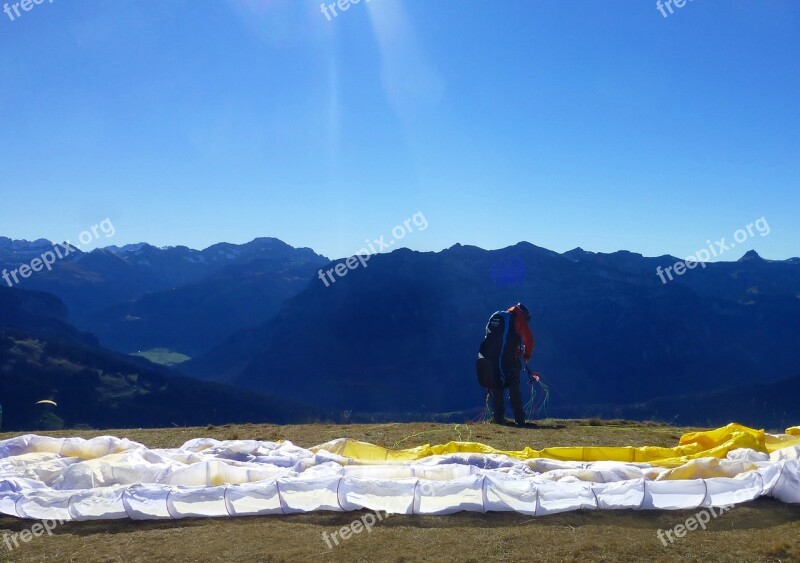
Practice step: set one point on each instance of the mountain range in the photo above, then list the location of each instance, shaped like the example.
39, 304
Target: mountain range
401, 334
139, 297
53, 376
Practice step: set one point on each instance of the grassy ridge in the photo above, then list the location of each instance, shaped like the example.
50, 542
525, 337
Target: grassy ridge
98, 388
760, 531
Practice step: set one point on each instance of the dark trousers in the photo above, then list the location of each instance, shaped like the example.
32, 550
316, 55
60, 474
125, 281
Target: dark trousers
515, 398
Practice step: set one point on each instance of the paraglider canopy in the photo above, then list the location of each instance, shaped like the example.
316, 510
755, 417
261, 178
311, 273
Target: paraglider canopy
46, 402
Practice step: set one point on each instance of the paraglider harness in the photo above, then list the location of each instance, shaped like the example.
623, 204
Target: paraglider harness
493, 351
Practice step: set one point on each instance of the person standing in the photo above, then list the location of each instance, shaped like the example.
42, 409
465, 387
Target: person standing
508, 342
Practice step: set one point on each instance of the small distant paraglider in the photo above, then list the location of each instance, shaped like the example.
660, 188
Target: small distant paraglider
46, 402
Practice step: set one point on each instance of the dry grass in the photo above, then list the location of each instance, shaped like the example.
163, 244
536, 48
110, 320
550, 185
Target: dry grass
761, 531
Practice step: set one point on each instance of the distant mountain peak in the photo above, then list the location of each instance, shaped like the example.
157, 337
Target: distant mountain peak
751, 256
128, 248
22, 244
627, 254
265, 241
576, 254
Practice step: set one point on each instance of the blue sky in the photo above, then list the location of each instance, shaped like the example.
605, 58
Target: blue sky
564, 123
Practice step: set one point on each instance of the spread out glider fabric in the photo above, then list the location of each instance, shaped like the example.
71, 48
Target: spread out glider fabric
108, 477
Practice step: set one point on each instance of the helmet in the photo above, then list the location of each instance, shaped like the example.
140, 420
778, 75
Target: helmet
522, 309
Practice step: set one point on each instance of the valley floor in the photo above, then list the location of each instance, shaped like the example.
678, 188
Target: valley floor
765, 530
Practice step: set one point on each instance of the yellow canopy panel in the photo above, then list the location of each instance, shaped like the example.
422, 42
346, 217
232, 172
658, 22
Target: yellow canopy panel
693, 445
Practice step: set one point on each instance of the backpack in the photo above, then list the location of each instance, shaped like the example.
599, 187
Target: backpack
492, 351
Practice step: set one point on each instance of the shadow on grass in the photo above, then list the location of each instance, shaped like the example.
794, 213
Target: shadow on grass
759, 514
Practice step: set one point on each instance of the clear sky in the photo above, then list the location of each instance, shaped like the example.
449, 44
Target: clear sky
565, 123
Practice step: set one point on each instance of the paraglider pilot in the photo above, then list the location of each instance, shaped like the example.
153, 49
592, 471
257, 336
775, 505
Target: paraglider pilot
507, 343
